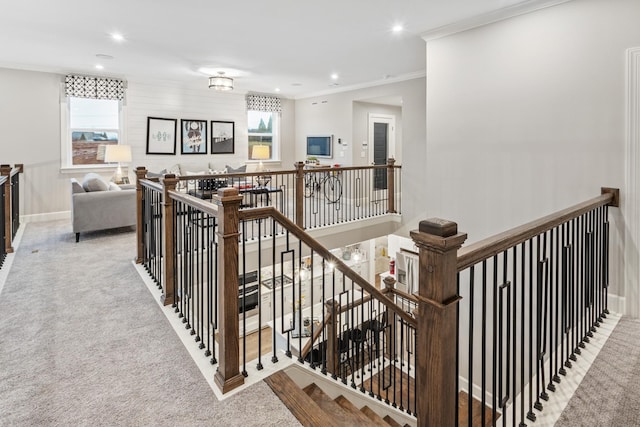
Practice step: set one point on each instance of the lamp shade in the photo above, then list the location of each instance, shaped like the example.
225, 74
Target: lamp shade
221, 82
117, 154
260, 152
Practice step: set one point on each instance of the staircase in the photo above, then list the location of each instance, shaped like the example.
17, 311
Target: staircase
312, 406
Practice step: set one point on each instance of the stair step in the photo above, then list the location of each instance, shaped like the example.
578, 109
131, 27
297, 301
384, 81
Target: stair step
340, 415
374, 417
392, 422
300, 404
358, 417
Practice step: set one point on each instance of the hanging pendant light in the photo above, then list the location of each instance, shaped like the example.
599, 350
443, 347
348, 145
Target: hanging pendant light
221, 82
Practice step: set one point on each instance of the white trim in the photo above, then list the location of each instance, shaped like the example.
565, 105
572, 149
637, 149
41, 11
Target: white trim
49, 216
489, 18
389, 119
630, 202
8, 261
402, 78
617, 304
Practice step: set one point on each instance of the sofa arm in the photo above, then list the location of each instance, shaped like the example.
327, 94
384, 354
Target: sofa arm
100, 210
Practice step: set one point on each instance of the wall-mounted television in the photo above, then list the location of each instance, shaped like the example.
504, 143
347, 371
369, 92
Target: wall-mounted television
320, 146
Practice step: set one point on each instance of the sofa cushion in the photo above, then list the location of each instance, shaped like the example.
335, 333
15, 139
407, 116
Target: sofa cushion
94, 182
114, 187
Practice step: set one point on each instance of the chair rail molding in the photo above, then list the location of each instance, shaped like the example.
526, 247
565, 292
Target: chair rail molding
631, 204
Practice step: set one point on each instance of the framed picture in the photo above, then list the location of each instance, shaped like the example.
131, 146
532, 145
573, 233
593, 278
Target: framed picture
161, 135
194, 136
222, 137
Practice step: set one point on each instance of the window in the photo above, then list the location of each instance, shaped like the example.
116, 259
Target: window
91, 123
263, 131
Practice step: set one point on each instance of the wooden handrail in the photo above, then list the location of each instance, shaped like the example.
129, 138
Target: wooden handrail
270, 211
154, 185
404, 295
491, 246
195, 202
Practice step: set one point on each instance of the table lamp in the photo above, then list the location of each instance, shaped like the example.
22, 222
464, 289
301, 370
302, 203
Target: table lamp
117, 154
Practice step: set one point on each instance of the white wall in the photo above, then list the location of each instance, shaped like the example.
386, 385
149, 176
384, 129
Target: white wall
344, 114
30, 129
30, 125
526, 116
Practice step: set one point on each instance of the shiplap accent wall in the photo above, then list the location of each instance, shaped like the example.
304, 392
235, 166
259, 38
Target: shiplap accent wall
168, 100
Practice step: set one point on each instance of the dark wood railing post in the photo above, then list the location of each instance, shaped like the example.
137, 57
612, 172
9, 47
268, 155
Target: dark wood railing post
299, 202
5, 170
438, 241
228, 375
169, 183
333, 358
141, 173
391, 187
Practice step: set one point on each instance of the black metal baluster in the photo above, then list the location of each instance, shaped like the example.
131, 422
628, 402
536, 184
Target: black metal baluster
470, 349
484, 341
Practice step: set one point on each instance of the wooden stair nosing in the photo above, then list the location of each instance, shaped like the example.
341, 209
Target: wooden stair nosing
374, 417
342, 416
351, 408
298, 402
391, 421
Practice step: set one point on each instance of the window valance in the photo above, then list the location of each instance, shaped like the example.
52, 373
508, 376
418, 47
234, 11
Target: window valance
264, 103
94, 87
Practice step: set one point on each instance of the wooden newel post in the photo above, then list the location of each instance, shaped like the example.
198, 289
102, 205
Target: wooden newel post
228, 375
299, 202
141, 173
169, 183
333, 357
438, 241
5, 170
391, 186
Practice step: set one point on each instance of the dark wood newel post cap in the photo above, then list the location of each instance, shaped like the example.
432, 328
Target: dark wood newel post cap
227, 191
438, 227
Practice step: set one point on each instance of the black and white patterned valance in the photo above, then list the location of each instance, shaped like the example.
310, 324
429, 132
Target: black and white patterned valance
94, 87
264, 103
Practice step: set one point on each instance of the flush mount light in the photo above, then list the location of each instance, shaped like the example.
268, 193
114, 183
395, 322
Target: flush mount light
334, 76
277, 89
397, 28
117, 37
99, 67
221, 82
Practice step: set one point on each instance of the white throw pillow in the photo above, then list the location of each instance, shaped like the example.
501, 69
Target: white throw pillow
114, 187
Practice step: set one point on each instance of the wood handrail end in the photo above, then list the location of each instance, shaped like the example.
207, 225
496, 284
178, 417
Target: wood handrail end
615, 202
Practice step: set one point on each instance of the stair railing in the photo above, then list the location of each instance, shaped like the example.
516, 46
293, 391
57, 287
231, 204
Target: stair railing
502, 320
10, 205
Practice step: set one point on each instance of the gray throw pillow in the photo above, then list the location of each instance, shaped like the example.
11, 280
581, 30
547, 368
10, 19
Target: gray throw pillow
94, 182
241, 169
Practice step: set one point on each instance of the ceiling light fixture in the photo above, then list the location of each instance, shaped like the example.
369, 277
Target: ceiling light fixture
99, 66
117, 37
277, 89
334, 76
221, 82
397, 28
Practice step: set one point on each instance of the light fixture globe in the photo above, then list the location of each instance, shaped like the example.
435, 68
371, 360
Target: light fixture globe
221, 82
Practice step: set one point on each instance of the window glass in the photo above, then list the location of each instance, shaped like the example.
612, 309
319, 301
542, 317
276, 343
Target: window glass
263, 131
92, 123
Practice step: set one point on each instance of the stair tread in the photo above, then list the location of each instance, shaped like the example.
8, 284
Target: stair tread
331, 407
301, 405
358, 417
392, 422
373, 416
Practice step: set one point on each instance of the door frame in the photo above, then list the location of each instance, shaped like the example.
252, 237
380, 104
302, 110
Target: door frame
389, 119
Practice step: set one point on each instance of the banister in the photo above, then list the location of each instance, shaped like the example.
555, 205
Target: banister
270, 211
194, 202
316, 334
156, 186
486, 248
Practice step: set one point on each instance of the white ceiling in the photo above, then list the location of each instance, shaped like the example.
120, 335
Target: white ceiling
294, 45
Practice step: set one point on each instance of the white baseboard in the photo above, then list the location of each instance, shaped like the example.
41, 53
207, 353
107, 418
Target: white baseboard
617, 304
49, 216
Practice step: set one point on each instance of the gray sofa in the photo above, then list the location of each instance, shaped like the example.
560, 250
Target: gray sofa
95, 208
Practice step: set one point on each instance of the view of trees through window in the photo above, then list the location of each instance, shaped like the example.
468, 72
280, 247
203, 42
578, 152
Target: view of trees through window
262, 131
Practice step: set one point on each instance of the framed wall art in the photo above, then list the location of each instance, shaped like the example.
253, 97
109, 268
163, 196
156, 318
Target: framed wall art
222, 137
161, 135
194, 136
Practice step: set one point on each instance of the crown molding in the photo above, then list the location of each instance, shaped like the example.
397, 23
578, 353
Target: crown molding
381, 82
489, 18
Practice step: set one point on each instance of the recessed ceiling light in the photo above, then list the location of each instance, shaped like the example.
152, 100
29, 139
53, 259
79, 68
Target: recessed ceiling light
334, 76
277, 89
117, 37
99, 66
397, 28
